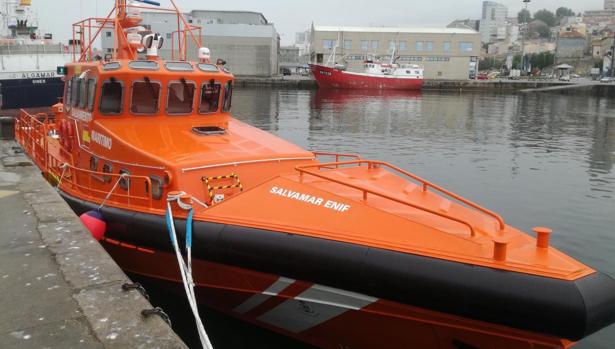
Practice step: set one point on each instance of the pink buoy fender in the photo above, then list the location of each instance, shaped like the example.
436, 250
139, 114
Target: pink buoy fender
94, 222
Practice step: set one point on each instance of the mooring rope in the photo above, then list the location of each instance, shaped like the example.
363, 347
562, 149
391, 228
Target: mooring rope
186, 269
64, 166
122, 176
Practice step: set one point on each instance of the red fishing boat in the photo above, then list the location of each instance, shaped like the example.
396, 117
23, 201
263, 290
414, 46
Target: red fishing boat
376, 76
331, 249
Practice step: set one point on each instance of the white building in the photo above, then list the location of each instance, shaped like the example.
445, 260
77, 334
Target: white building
302, 41
609, 5
493, 22
444, 53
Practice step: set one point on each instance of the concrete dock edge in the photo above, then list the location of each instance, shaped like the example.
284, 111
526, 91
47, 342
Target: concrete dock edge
60, 289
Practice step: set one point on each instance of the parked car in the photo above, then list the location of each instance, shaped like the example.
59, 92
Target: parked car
607, 79
482, 76
564, 78
285, 71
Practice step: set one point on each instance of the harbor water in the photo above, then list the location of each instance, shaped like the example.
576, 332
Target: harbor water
537, 159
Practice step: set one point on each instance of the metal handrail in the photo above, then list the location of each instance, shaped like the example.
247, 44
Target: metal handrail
31, 139
338, 156
426, 184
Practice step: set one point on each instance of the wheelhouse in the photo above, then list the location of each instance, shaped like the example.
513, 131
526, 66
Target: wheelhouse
146, 88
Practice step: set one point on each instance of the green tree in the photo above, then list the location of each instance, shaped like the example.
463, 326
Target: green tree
562, 12
546, 16
524, 16
539, 29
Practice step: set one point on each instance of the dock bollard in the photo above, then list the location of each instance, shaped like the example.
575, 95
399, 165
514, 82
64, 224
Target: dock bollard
542, 236
7, 127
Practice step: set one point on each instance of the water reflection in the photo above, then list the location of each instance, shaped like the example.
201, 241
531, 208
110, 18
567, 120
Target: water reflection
538, 159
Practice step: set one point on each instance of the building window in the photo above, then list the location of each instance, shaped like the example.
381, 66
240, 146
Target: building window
411, 58
429, 46
364, 45
465, 46
169, 36
419, 46
108, 34
328, 44
347, 44
374, 44
402, 46
447, 46
391, 45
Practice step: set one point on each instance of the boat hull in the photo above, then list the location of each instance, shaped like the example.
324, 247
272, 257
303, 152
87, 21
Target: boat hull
327, 77
492, 306
30, 93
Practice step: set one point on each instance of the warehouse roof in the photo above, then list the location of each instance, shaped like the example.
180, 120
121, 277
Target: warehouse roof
395, 30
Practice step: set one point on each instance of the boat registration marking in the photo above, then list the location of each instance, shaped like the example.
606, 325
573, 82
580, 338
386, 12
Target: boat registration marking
102, 140
310, 199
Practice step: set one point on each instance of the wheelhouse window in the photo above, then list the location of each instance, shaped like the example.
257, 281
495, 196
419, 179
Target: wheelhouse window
210, 97
91, 92
111, 66
180, 97
111, 97
206, 67
83, 93
145, 97
143, 65
76, 88
228, 96
69, 92
179, 66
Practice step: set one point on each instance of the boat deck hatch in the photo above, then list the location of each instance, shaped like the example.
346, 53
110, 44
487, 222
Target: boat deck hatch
209, 130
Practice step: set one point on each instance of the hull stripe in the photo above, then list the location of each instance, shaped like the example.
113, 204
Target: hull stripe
313, 307
273, 290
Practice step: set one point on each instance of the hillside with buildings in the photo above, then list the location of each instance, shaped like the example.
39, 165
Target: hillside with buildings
250, 44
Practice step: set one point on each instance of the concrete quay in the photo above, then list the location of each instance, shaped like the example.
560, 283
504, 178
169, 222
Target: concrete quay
58, 286
502, 85
293, 81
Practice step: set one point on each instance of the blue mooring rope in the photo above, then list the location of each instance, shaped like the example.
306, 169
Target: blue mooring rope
189, 229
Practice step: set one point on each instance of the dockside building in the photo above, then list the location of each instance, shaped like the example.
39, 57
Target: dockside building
444, 53
245, 40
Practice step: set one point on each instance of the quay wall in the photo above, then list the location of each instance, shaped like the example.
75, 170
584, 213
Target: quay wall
294, 82
60, 288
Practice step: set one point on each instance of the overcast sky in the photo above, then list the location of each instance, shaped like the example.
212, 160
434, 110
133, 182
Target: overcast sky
290, 16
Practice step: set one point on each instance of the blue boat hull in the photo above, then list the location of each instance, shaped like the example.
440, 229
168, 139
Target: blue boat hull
30, 93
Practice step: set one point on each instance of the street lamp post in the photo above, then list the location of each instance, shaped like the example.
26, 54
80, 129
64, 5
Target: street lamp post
523, 37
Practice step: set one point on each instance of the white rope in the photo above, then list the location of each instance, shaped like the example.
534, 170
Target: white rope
64, 166
186, 269
122, 176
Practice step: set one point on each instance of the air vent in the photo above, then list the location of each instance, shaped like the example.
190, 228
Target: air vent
209, 130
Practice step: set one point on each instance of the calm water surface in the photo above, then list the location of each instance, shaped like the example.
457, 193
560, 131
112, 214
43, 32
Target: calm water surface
538, 159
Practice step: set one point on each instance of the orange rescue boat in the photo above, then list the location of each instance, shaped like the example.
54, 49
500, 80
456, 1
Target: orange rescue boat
332, 249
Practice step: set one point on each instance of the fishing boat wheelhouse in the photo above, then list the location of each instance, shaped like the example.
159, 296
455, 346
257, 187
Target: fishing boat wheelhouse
346, 253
